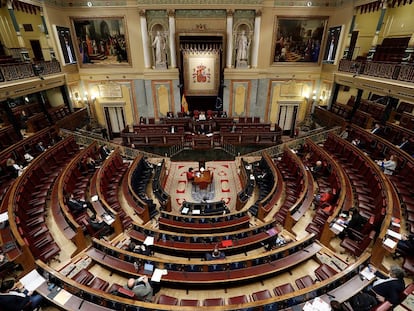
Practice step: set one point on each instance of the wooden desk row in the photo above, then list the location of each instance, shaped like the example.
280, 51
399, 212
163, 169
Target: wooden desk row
182, 272
342, 286
196, 245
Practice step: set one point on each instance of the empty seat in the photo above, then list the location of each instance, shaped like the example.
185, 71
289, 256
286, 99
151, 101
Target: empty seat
356, 248
167, 300
99, 284
261, 295
83, 277
113, 288
213, 302
304, 281
324, 272
283, 289
189, 302
237, 300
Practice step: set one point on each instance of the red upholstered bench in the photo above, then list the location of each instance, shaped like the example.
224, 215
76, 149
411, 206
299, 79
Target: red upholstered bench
283, 289
189, 302
99, 284
213, 302
167, 300
83, 277
126, 292
408, 265
304, 282
383, 306
113, 288
261, 295
324, 272
236, 300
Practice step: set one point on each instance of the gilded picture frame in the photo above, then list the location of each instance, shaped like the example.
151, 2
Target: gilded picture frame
101, 41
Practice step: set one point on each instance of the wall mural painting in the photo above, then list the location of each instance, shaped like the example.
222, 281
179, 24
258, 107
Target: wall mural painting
101, 41
299, 39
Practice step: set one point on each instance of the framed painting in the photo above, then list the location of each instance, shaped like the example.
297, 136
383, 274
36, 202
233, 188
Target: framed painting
298, 39
66, 49
331, 50
101, 41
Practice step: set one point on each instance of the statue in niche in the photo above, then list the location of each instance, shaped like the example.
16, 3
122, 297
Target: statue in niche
160, 46
242, 46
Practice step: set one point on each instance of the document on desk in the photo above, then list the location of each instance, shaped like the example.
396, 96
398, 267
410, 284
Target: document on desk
367, 273
94, 198
149, 240
62, 297
32, 280
394, 234
4, 216
390, 243
158, 273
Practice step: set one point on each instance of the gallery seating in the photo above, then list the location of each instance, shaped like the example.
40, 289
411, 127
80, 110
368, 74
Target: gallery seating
211, 302
324, 272
356, 248
261, 295
236, 300
304, 281
283, 289
167, 300
189, 302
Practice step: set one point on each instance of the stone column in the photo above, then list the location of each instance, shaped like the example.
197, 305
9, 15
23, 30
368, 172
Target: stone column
229, 30
171, 22
24, 52
145, 44
256, 39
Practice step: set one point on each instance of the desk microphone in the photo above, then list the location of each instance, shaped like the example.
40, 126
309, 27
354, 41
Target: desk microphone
330, 296
103, 257
305, 250
80, 305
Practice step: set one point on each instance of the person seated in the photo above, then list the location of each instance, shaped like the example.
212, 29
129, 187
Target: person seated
388, 166
355, 222
28, 157
202, 116
324, 197
216, 254
190, 174
14, 168
317, 170
90, 163
99, 226
104, 152
405, 144
16, 298
39, 147
377, 130
172, 129
77, 205
391, 288
141, 287
170, 115
405, 246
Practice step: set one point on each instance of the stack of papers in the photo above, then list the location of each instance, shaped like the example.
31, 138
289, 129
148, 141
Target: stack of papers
149, 240
367, 274
32, 280
390, 243
158, 273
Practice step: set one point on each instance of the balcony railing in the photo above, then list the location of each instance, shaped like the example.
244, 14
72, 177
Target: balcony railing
393, 71
24, 70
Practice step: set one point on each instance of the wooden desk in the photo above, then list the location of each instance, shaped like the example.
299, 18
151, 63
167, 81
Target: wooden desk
202, 180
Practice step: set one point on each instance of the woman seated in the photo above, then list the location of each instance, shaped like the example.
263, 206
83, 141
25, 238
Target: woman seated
190, 174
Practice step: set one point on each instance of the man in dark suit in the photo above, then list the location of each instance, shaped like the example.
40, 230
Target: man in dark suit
405, 144
390, 289
16, 299
104, 151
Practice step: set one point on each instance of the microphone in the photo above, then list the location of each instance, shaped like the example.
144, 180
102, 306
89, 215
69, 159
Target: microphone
330, 296
80, 305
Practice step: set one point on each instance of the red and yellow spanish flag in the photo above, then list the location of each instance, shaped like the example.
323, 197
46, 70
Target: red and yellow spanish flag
184, 104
